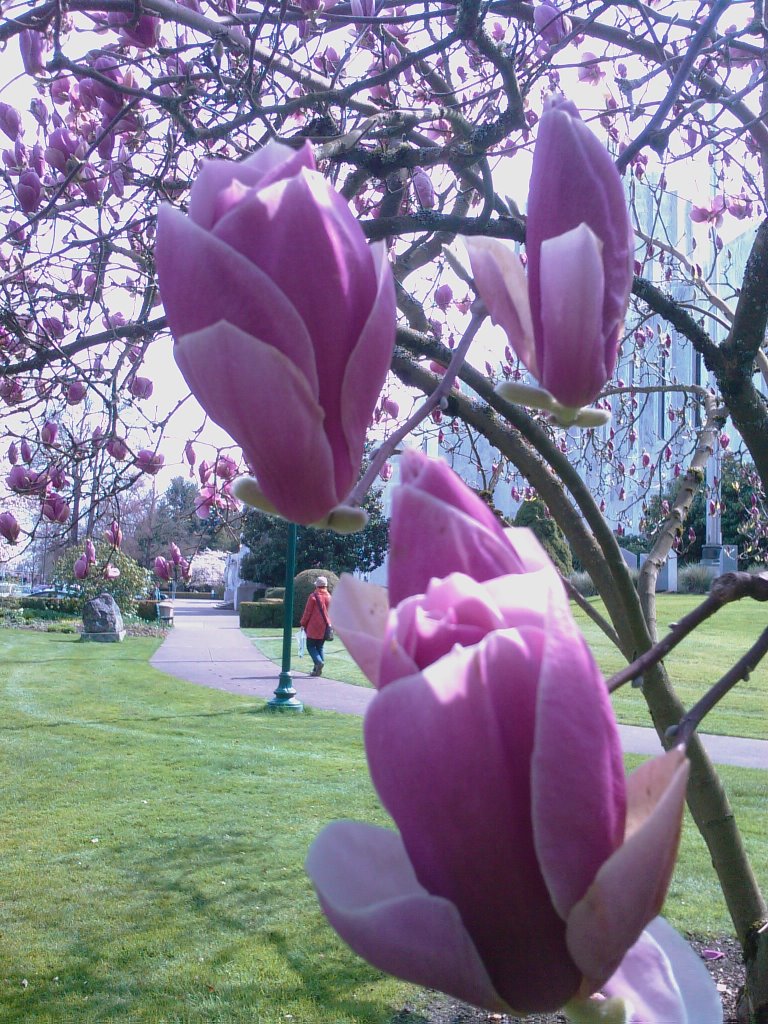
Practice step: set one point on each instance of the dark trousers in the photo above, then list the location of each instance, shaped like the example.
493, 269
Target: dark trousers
315, 650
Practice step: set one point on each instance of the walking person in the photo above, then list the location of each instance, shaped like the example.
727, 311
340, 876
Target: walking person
316, 623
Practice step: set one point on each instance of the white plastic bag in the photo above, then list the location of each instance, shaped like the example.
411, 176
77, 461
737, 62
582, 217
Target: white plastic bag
301, 640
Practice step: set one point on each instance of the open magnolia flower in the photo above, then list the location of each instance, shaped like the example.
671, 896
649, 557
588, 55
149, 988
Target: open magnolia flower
526, 867
564, 318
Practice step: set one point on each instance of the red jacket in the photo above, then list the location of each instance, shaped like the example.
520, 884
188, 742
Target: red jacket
312, 620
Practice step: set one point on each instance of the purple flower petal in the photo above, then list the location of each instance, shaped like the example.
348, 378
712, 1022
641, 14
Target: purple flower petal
449, 752
577, 772
370, 894
248, 395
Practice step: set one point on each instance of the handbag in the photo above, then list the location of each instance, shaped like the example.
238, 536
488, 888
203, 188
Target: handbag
329, 634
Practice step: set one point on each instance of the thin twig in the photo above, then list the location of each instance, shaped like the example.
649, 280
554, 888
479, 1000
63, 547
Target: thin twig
593, 613
387, 447
688, 724
731, 586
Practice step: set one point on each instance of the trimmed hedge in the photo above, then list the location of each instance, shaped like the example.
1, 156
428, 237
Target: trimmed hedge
67, 605
258, 614
187, 595
275, 593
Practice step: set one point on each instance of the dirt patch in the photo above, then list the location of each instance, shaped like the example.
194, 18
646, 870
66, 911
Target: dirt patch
722, 958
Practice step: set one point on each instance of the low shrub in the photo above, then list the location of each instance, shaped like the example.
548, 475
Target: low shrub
694, 579
9, 603
582, 582
47, 614
260, 614
65, 605
275, 593
194, 595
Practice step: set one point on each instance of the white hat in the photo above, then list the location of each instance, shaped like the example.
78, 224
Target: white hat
321, 581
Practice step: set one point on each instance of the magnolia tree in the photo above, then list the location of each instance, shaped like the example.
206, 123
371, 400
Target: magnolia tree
282, 189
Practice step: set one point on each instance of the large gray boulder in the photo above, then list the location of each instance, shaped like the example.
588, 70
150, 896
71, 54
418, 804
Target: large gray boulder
102, 620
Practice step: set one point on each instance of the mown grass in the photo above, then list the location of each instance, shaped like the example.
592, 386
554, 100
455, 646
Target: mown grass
697, 663
694, 666
152, 836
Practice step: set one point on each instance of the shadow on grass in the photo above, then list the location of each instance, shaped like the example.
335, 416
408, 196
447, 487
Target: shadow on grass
180, 950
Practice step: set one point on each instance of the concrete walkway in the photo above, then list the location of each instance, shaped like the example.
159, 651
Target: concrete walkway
206, 647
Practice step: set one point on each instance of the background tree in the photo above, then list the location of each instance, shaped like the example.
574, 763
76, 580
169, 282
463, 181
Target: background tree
267, 539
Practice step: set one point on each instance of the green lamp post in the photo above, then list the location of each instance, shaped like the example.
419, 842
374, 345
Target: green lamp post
285, 698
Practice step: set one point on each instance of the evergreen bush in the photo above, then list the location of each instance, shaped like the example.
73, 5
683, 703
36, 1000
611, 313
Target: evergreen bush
535, 515
261, 614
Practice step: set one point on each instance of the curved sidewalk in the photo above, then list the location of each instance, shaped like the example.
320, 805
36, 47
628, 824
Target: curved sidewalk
206, 647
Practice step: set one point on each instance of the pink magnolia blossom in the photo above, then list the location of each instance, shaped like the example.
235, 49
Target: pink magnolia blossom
81, 568
110, 572
113, 534
26, 451
263, 324
90, 551
551, 25
149, 462
590, 70
9, 527
22, 480
444, 297
117, 448
163, 569
75, 392
210, 497
10, 121
225, 467
29, 191
710, 214
423, 187
31, 45
175, 554
13, 453
48, 432
55, 508
526, 867
565, 320
141, 387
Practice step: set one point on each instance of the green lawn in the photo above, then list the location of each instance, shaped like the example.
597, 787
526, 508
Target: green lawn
152, 835
697, 663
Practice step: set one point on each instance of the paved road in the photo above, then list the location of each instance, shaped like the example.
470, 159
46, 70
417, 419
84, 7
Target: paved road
206, 647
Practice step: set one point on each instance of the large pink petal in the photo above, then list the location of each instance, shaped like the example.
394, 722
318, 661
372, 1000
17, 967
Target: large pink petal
367, 367
574, 181
664, 980
203, 281
630, 887
301, 233
503, 287
247, 387
360, 613
272, 161
570, 351
370, 894
579, 802
449, 752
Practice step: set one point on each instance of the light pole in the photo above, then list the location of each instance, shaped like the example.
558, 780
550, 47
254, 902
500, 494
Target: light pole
285, 698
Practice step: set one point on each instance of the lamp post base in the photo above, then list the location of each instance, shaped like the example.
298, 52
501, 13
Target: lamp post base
285, 698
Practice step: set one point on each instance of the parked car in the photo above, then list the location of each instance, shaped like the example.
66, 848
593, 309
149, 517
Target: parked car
53, 592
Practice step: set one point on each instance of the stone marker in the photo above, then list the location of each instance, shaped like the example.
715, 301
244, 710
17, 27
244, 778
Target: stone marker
102, 620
